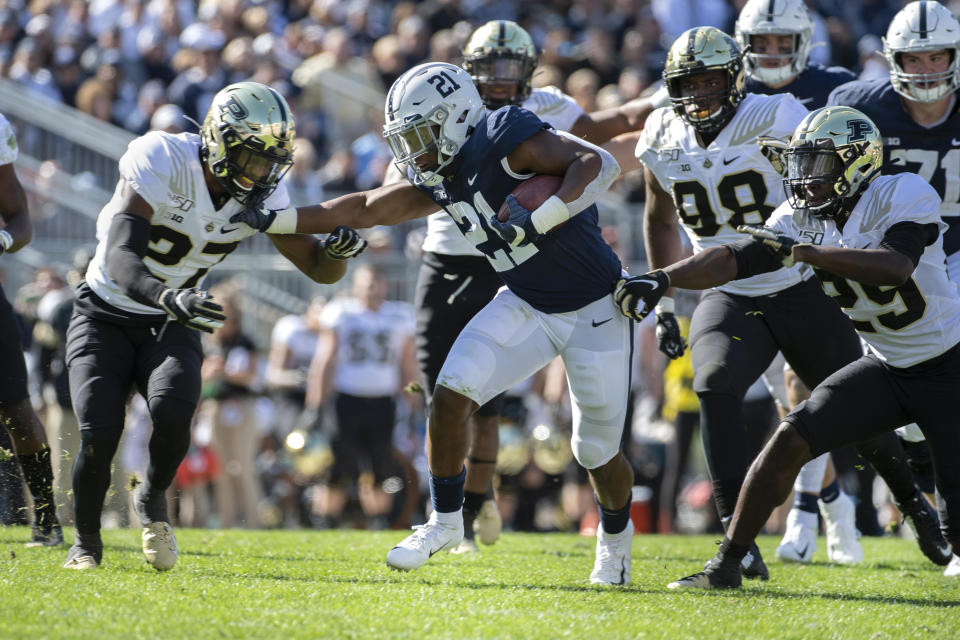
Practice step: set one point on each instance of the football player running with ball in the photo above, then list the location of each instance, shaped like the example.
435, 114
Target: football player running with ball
876, 245
139, 311
456, 280
16, 413
559, 276
918, 114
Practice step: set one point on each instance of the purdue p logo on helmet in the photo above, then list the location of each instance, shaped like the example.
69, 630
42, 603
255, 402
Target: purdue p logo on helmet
247, 140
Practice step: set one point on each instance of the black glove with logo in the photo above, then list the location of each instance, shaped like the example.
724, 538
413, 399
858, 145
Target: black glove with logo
637, 296
344, 243
193, 308
669, 339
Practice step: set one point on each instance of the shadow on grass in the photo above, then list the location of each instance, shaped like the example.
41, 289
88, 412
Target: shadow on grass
937, 603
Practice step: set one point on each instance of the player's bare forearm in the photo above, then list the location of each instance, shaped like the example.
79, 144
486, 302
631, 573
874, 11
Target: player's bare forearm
386, 205
622, 149
878, 267
661, 226
307, 254
13, 208
711, 267
600, 126
551, 154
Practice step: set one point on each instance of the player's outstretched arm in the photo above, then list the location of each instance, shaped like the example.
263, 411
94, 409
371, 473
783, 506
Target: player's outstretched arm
601, 126
623, 149
386, 205
17, 229
878, 267
322, 261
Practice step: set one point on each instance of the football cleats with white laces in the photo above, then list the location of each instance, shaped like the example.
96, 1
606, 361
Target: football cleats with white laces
702, 50
834, 154
500, 57
247, 140
923, 26
430, 113
775, 18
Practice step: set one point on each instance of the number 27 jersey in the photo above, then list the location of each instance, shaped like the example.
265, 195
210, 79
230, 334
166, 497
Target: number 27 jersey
188, 235
729, 182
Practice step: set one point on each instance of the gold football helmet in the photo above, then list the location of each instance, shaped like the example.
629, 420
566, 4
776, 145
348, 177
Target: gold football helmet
500, 57
247, 140
834, 154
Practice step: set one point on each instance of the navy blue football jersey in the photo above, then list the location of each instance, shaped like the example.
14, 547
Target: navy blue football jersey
811, 88
566, 268
932, 153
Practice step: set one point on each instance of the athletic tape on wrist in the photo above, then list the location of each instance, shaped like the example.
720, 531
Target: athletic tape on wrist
285, 222
552, 212
664, 306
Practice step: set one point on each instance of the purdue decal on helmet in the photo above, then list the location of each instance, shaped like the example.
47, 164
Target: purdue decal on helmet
430, 112
774, 18
702, 50
833, 156
247, 140
500, 57
923, 26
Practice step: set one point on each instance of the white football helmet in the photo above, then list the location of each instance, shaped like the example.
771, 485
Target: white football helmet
430, 113
923, 26
775, 17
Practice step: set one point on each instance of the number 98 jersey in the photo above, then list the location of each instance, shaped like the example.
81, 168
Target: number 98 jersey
188, 235
727, 184
904, 325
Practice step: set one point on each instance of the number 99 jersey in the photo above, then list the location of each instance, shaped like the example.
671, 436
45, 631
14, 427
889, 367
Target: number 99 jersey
188, 235
904, 325
727, 184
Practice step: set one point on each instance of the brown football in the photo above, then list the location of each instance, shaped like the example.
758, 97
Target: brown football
531, 193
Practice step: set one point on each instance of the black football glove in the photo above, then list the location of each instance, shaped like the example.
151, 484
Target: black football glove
669, 339
193, 308
638, 295
518, 230
344, 243
779, 244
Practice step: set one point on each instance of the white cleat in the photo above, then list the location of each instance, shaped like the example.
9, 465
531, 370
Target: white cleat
799, 541
488, 524
612, 564
159, 545
467, 545
843, 538
426, 540
953, 569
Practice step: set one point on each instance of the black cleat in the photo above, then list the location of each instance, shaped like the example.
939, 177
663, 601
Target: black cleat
753, 565
715, 575
52, 537
922, 519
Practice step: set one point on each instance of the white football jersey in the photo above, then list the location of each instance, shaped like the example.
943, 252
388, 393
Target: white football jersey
549, 104
903, 325
727, 184
8, 142
369, 345
187, 234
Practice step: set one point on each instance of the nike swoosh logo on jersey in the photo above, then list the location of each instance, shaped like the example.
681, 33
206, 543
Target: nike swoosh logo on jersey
230, 230
726, 162
597, 324
470, 181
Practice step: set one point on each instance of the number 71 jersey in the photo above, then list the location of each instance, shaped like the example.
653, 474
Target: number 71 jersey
188, 235
727, 184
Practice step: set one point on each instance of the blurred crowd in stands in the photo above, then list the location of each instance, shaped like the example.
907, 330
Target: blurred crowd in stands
266, 452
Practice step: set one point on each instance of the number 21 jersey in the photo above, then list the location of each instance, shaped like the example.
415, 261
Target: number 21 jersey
727, 184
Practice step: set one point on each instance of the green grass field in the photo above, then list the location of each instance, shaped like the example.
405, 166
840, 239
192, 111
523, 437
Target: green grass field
334, 584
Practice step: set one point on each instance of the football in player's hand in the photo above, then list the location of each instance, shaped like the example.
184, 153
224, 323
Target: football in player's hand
531, 193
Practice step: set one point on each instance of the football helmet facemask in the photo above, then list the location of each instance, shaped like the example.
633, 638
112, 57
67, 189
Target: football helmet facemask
832, 157
247, 140
500, 57
430, 113
774, 18
923, 26
702, 50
